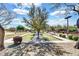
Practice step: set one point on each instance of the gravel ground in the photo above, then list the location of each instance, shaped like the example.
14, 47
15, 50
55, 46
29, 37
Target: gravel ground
55, 49
46, 49
69, 47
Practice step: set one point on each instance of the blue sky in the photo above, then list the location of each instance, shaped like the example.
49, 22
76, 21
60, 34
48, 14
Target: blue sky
56, 16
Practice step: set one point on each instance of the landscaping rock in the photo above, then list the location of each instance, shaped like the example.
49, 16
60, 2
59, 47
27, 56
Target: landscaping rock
17, 40
77, 45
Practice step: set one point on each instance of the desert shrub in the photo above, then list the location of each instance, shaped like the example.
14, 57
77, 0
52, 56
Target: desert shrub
62, 35
34, 34
72, 29
32, 37
70, 37
75, 38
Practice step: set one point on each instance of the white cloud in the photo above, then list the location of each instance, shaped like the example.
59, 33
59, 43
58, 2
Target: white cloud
59, 12
38, 4
29, 4
21, 8
15, 22
23, 5
57, 22
20, 11
54, 13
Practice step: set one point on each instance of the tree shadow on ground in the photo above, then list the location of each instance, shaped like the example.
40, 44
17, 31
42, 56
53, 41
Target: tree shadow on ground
61, 51
13, 45
42, 48
52, 47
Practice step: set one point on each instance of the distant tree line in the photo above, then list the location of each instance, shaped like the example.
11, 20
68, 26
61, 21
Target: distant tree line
60, 28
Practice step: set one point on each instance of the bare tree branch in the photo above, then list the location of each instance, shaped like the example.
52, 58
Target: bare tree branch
6, 16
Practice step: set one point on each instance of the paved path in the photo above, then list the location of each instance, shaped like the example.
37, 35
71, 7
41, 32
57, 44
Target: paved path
60, 38
63, 40
11, 39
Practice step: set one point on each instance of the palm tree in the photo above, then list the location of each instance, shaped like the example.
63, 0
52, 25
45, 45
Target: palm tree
5, 18
38, 19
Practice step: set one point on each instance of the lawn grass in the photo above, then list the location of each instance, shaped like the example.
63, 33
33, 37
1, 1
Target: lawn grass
28, 36
9, 36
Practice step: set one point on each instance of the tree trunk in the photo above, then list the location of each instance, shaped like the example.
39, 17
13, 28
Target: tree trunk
2, 33
38, 35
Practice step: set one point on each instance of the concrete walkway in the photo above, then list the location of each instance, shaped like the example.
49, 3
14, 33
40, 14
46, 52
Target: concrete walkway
63, 40
60, 38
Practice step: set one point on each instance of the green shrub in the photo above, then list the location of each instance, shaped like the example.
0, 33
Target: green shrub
31, 38
70, 37
62, 35
20, 27
45, 39
34, 34
75, 38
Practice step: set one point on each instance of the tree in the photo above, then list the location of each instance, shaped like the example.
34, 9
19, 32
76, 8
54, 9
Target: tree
69, 7
58, 28
38, 18
12, 29
20, 27
5, 19
52, 28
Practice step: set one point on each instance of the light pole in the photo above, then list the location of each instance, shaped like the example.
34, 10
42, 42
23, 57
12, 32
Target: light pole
68, 23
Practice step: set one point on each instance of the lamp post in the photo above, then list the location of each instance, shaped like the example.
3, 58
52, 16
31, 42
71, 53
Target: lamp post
67, 23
